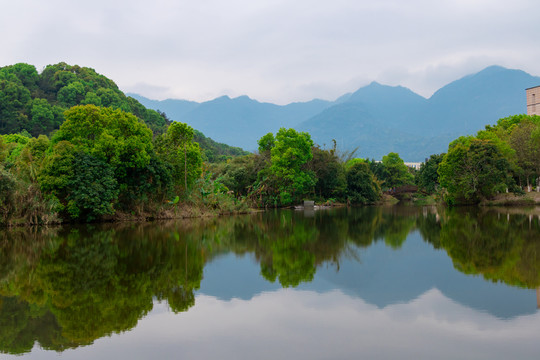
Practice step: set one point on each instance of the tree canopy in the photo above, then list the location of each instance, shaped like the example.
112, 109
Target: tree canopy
35, 102
500, 158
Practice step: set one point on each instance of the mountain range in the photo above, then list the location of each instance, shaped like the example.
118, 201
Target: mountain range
376, 119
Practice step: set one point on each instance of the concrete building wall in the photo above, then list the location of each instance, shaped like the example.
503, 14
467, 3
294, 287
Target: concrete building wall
415, 165
533, 100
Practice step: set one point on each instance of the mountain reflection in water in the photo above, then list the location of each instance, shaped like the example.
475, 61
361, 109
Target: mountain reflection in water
66, 287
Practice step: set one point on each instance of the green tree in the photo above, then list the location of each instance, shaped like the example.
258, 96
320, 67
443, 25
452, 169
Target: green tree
45, 117
61, 86
71, 94
427, 177
98, 156
291, 151
329, 173
12, 145
379, 170
93, 189
472, 170
177, 148
362, 186
238, 174
8, 193
518, 140
26, 74
397, 172
524, 140
30, 159
113, 136
109, 97
15, 102
91, 99
57, 170
266, 143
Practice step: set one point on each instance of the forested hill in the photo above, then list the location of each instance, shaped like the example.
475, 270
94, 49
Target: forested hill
35, 102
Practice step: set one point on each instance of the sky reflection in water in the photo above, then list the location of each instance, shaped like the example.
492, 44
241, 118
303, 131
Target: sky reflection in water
307, 325
390, 299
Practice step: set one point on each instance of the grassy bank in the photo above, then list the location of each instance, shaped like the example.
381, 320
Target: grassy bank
529, 199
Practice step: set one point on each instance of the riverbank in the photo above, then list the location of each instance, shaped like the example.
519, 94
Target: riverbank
510, 199
500, 200
172, 212
191, 211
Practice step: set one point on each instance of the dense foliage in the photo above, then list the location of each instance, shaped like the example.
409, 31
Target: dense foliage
101, 163
503, 157
73, 147
363, 187
395, 170
427, 177
35, 102
76, 148
290, 168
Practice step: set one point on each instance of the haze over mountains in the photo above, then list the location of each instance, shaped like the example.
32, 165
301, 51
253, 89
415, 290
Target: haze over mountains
377, 119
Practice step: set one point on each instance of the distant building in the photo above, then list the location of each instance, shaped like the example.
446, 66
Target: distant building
414, 165
533, 100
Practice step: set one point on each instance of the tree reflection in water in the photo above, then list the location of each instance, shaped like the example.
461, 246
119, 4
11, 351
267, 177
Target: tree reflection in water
66, 287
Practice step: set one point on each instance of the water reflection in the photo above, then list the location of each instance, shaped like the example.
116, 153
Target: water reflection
91, 283
67, 287
501, 248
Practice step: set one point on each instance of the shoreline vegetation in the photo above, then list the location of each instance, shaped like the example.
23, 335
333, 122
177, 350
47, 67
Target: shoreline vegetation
74, 148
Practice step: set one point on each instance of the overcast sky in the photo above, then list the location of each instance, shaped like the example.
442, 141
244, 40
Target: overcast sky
272, 50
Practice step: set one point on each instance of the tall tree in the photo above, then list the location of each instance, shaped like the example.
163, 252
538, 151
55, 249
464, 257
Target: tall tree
177, 147
362, 186
96, 153
473, 170
291, 151
427, 177
329, 173
397, 172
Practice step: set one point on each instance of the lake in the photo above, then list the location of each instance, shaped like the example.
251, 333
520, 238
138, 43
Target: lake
373, 283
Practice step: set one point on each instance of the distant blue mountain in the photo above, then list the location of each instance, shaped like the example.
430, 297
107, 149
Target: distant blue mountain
377, 119
468, 104
169, 106
240, 121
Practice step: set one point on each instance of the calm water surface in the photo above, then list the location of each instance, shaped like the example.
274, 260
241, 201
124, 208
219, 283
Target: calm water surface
370, 283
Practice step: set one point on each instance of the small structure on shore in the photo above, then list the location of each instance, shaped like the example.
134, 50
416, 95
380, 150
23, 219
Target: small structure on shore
309, 206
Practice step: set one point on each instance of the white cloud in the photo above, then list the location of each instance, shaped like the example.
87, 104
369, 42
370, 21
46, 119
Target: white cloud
277, 51
292, 324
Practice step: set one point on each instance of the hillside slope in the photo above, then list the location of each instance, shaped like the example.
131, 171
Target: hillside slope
35, 102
